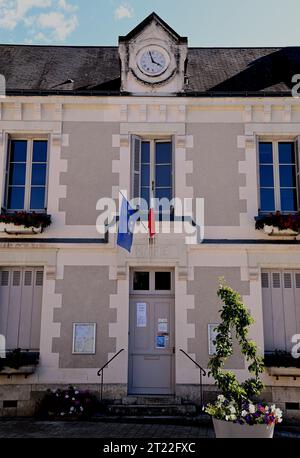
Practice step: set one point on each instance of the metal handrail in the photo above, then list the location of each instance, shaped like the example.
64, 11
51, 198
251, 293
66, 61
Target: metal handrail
202, 372
100, 371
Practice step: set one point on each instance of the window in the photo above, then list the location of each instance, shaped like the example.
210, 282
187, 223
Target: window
26, 175
278, 176
141, 281
162, 281
152, 169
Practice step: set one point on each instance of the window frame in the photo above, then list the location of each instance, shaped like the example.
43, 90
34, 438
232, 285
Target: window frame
275, 140
153, 140
28, 174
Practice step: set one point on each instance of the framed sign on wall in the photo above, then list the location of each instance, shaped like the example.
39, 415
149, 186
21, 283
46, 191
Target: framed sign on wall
84, 338
212, 334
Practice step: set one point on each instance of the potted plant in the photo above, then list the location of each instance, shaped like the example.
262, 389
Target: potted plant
23, 222
235, 413
278, 223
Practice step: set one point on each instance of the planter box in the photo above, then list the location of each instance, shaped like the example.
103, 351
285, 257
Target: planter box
273, 230
228, 429
23, 370
284, 371
13, 229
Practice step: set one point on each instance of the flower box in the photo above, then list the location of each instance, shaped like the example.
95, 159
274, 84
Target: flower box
273, 230
284, 371
228, 429
23, 370
278, 224
13, 229
18, 223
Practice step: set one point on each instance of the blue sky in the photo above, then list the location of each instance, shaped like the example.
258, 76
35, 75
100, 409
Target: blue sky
100, 22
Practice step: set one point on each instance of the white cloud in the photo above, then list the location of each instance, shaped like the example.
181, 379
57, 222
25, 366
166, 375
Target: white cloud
59, 26
124, 11
54, 19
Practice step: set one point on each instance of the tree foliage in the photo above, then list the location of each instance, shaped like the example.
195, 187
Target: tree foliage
235, 318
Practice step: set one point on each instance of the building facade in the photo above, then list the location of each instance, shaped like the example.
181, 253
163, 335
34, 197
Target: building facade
151, 115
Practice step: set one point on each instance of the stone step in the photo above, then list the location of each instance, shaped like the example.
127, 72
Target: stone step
197, 420
151, 400
147, 410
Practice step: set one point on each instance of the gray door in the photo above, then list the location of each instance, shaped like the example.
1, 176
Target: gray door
151, 344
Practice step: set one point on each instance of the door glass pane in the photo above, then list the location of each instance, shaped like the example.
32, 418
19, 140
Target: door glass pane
145, 194
286, 153
141, 281
266, 175
267, 201
265, 153
288, 199
287, 176
162, 281
163, 193
163, 176
17, 174
38, 176
15, 199
145, 175
145, 152
39, 151
163, 153
37, 198
18, 151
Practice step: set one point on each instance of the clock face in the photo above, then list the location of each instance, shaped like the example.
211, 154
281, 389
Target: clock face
152, 62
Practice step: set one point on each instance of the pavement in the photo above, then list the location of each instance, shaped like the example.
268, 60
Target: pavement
30, 428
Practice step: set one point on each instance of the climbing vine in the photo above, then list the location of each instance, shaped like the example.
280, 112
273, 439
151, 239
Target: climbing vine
235, 318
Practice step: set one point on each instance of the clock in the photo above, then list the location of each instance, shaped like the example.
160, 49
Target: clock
153, 61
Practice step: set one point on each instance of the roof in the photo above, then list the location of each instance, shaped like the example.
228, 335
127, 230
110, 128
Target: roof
96, 70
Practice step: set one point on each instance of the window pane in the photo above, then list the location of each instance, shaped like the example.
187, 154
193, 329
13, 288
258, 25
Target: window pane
265, 153
267, 202
15, 199
39, 151
162, 281
17, 174
163, 153
141, 281
163, 176
286, 153
18, 151
266, 175
145, 175
37, 198
145, 194
38, 176
145, 152
287, 176
163, 192
288, 200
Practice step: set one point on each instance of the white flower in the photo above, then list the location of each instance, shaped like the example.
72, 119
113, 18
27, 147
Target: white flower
81, 408
73, 399
76, 392
67, 397
232, 417
244, 413
252, 408
71, 409
221, 398
226, 417
232, 409
62, 413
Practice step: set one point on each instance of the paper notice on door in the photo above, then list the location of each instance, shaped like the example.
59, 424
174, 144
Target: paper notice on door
141, 314
162, 325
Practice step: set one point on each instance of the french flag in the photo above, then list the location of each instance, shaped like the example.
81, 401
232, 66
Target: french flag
151, 220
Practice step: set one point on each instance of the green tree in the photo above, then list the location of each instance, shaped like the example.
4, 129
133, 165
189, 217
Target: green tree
235, 318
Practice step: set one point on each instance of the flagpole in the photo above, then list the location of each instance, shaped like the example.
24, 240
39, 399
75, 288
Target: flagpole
127, 201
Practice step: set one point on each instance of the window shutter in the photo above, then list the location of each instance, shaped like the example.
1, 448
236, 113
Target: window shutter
173, 164
276, 280
298, 168
265, 279
136, 144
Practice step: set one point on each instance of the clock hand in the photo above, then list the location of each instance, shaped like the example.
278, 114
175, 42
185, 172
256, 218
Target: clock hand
154, 61
150, 54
